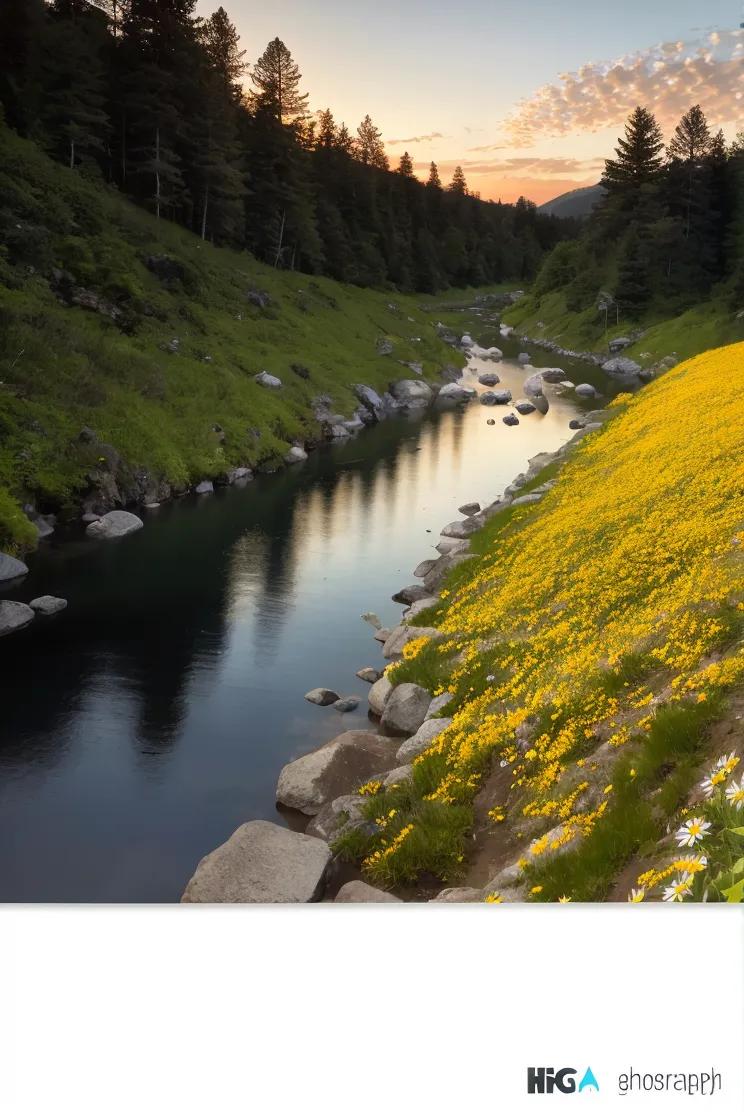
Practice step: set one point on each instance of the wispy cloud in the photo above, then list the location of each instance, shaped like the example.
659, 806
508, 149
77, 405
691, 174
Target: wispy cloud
528, 167
415, 139
668, 78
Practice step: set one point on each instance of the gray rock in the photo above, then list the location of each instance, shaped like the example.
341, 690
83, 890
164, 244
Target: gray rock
523, 357
619, 344
14, 616
372, 619
621, 367
411, 393
576, 423
429, 729
261, 863
382, 635
439, 702
398, 776
399, 638
238, 475
371, 401
490, 378
534, 385
423, 568
418, 607
510, 419
11, 569
460, 530
269, 382
524, 407
552, 374
503, 397
322, 696
369, 675
205, 487
469, 508
411, 594
586, 390
356, 891
379, 694
454, 392
527, 499
296, 454
467, 341
459, 895
450, 544
341, 815
114, 524
336, 768
384, 346
405, 710
445, 564
48, 605
343, 706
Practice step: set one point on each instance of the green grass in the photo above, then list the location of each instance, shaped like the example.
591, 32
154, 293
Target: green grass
64, 367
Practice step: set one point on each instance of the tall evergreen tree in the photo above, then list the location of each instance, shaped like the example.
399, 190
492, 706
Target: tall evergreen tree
405, 166
638, 156
222, 45
369, 146
433, 181
458, 183
277, 77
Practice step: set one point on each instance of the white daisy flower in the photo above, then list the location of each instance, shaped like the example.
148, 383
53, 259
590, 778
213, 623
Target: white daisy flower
716, 780
728, 764
735, 794
692, 831
679, 889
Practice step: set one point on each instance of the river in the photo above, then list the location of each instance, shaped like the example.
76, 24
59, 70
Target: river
150, 719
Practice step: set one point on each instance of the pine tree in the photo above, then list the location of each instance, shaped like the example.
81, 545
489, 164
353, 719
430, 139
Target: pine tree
458, 184
639, 157
433, 181
370, 149
327, 133
222, 44
277, 79
692, 139
405, 166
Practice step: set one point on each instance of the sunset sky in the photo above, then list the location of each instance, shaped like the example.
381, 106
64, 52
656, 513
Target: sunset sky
527, 95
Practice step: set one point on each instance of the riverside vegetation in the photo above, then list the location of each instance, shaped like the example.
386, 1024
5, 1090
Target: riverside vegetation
592, 650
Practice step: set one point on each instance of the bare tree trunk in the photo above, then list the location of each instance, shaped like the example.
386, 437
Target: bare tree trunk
157, 173
123, 147
204, 213
72, 154
281, 242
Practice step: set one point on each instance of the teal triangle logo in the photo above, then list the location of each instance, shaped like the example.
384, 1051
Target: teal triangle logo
588, 1081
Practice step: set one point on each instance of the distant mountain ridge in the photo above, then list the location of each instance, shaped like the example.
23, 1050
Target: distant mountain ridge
578, 203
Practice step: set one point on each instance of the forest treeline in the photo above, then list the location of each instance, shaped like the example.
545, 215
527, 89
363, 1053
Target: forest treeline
669, 230
161, 104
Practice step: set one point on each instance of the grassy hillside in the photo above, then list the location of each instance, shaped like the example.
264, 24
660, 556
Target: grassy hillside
594, 650
87, 328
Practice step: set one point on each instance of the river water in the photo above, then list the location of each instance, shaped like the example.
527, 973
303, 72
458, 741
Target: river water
143, 725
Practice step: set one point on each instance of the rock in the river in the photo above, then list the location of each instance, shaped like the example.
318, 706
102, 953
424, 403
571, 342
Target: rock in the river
490, 378
342, 814
14, 616
269, 382
411, 393
379, 694
503, 397
467, 341
371, 401
405, 710
336, 768
454, 392
261, 863
621, 367
523, 358
48, 605
343, 706
526, 499
409, 595
205, 487
114, 524
399, 638
369, 675
11, 569
534, 385
553, 374
450, 544
586, 390
468, 509
460, 530
239, 475
429, 729
510, 419
322, 696
524, 407
382, 635
423, 568
372, 619
296, 454
356, 891
576, 423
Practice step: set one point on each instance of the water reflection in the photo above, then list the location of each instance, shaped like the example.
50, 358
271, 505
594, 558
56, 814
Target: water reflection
150, 719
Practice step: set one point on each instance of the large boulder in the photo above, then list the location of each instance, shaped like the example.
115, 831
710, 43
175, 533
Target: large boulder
379, 694
116, 523
621, 367
461, 530
469, 508
524, 407
444, 565
399, 638
586, 390
11, 569
296, 454
206, 486
429, 729
490, 378
356, 891
48, 605
14, 616
411, 393
371, 401
534, 385
336, 768
410, 594
553, 374
454, 392
405, 710
261, 863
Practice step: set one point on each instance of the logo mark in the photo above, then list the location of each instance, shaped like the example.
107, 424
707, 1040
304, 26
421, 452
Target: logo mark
546, 1079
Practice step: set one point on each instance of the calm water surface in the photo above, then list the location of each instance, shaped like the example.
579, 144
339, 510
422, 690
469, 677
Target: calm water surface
149, 720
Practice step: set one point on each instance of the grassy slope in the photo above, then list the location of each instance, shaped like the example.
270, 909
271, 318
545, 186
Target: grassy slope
709, 325
590, 646
62, 368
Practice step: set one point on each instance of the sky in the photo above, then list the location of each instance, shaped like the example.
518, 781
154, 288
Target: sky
528, 96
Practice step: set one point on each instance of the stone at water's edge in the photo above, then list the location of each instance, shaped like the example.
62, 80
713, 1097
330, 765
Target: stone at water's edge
116, 523
369, 675
459, 530
205, 487
411, 393
399, 638
48, 605
261, 863
11, 569
467, 510
14, 616
424, 567
379, 694
419, 606
489, 379
411, 594
356, 891
322, 696
405, 710
336, 768
439, 702
621, 367
344, 706
429, 729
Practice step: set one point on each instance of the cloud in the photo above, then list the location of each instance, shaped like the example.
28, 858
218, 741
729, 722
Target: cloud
534, 167
668, 78
416, 139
